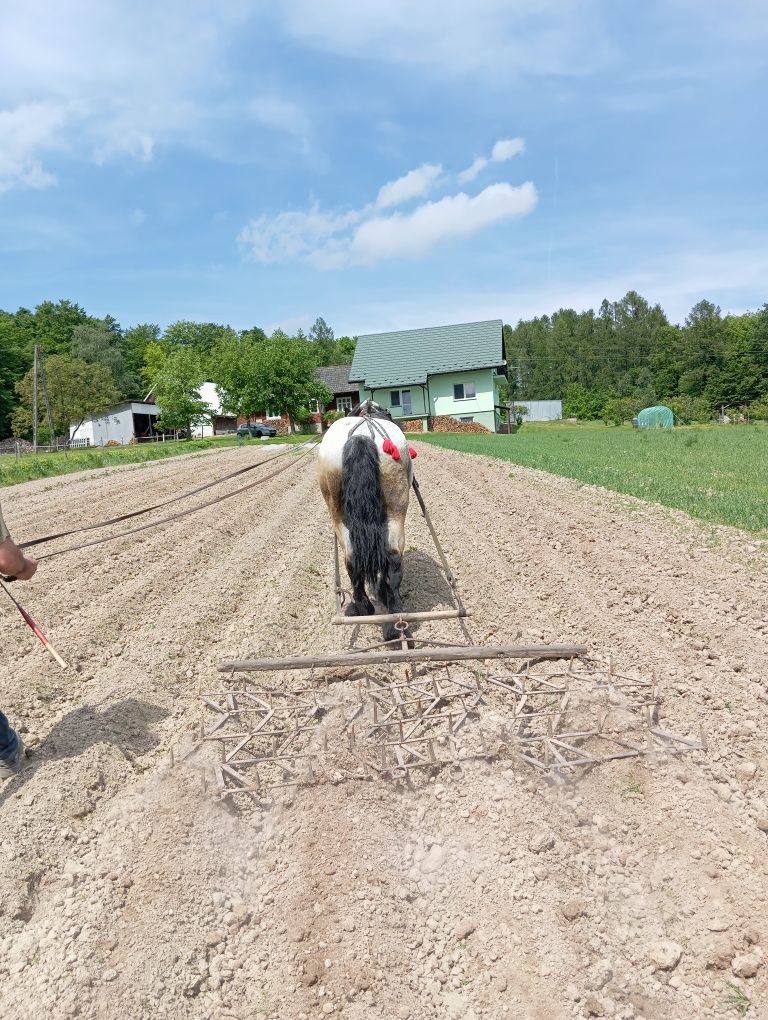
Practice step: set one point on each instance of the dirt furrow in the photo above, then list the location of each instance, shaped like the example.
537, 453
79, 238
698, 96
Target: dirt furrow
632, 891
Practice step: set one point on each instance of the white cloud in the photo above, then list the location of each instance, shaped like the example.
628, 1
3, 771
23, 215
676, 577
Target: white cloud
504, 150
492, 37
293, 235
414, 184
25, 131
131, 77
412, 234
368, 235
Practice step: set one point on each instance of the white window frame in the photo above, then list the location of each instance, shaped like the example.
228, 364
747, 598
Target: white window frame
467, 418
344, 404
464, 387
314, 406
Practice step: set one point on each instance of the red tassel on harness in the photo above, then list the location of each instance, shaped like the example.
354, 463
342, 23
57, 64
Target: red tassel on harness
412, 453
395, 453
388, 446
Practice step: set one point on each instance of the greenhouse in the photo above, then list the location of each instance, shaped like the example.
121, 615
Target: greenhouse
656, 418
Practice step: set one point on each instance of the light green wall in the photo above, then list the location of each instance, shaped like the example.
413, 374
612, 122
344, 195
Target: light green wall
383, 397
480, 407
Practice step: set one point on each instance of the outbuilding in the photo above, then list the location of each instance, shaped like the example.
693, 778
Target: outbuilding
126, 421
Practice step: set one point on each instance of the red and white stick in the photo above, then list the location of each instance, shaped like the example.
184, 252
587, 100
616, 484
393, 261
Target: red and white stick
36, 630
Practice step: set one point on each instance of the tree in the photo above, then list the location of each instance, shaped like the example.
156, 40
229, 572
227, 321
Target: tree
288, 380
155, 357
235, 367
77, 390
323, 342
345, 350
11, 369
99, 345
177, 390
201, 336
274, 374
134, 346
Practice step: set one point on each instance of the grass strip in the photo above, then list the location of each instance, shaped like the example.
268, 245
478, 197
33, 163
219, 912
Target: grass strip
715, 474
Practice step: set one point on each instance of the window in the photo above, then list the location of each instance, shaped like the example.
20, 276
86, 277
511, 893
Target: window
344, 404
464, 391
314, 406
468, 417
401, 399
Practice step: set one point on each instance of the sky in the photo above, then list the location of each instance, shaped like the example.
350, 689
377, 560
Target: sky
386, 164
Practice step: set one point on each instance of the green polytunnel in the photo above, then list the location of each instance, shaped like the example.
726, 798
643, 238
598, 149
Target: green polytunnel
660, 417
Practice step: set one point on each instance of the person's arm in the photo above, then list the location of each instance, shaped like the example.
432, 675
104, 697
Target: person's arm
13, 562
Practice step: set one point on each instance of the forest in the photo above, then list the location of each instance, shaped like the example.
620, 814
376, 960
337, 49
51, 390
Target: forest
610, 363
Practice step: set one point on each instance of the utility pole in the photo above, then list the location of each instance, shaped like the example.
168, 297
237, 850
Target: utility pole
51, 429
34, 400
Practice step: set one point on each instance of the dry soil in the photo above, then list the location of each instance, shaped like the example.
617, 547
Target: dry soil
635, 890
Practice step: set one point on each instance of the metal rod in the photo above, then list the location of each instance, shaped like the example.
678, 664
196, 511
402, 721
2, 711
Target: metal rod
459, 653
381, 618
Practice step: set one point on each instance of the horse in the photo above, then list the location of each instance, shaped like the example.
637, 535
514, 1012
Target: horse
365, 473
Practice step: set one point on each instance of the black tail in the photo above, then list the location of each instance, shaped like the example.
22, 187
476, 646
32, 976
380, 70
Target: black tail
362, 507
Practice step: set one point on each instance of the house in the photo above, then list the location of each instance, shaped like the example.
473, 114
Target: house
219, 423
119, 424
441, 372
345, 394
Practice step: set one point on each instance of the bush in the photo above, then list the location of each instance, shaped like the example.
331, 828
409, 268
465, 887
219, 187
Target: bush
617, 410
689, 410
758, 410
579, 402
331, 416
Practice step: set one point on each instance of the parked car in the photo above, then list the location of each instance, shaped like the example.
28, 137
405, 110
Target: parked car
256, 429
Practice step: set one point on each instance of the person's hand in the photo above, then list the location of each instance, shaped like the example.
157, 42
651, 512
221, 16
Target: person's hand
28, 571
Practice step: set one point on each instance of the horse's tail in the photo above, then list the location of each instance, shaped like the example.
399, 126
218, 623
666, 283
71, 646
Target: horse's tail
362, 506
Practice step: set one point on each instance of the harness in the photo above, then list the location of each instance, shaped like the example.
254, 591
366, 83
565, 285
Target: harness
376, 428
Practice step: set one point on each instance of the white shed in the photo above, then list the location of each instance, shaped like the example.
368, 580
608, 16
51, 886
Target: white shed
121, 423
541, 410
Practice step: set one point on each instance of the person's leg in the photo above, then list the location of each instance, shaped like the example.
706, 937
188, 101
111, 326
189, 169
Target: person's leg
11, 749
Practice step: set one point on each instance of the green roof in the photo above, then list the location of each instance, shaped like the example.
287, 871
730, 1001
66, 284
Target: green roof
408, 357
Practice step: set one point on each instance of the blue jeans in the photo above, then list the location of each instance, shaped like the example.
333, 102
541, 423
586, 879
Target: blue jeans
9, 742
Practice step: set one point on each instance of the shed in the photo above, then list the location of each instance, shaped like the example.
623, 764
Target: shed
540, 410
130, 419
659, 417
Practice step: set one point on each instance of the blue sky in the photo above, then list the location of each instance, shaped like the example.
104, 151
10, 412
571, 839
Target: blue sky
384, 164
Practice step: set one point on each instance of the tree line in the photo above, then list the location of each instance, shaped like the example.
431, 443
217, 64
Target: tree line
611, 363
92, 363
604, 364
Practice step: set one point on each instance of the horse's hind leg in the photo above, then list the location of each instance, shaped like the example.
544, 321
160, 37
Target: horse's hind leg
360, 605
389, 593
389, 583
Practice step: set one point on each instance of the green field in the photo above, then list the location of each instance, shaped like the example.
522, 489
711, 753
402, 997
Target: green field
717, 474
46, 465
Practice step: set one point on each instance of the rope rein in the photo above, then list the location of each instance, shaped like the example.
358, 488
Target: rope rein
155, 506
181, 513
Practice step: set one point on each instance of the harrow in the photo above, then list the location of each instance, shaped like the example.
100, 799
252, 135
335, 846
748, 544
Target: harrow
412, 706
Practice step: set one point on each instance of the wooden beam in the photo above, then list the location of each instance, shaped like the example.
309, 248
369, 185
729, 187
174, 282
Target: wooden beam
437, 614
456, 653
